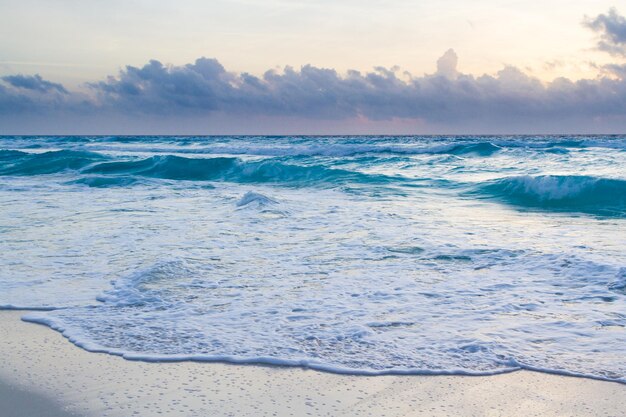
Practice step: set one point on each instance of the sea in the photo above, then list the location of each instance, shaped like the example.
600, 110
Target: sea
365, 255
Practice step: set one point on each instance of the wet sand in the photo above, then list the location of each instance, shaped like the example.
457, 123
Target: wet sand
15, 402
43, 374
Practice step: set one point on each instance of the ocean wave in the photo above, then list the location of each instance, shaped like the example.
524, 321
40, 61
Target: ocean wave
333, 149
575, 193
102, 171
479, 149
256, 199
234, 170
24, 163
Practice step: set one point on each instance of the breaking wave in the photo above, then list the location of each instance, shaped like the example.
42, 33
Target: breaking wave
233, 170
103, 172
574, 193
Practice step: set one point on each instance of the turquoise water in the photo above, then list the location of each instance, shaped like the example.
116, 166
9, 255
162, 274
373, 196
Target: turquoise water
364, 255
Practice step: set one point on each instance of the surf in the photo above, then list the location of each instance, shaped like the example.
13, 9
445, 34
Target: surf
568, 193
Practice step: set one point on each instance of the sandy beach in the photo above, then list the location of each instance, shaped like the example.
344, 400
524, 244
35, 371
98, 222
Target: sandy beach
312, 208
43, 374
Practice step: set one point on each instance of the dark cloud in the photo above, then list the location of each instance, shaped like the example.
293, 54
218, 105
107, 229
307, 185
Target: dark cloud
204, 93
33, 82
612, 30
447, 96
616, 69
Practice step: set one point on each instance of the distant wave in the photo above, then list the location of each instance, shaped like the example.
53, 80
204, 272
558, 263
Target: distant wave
561, 192
335, 148
479, 146
323, 149
234, 170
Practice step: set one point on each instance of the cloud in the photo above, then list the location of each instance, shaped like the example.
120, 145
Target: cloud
33, 82
616, 69
317, 93
612, 30
204, 95
446, 65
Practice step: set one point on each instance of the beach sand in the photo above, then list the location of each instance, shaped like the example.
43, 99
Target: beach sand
43, 374
15, 402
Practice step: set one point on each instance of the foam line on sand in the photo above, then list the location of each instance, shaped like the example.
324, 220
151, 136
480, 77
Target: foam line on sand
36, 360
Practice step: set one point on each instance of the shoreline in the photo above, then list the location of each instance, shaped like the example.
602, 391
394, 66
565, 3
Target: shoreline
286, 363
41, 368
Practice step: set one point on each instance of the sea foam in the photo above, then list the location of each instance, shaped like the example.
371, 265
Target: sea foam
365, 255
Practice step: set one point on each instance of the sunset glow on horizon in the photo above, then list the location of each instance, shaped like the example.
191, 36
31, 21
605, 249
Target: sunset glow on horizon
282, 66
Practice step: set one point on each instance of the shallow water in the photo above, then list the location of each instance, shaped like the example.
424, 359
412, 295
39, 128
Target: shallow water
360, 254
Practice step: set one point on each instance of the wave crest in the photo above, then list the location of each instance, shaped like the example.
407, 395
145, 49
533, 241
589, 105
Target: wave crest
604, 196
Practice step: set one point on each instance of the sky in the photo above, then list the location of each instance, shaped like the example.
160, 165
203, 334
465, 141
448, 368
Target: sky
312, 67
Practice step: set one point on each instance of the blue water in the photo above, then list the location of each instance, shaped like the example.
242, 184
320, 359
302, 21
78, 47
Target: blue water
364, 255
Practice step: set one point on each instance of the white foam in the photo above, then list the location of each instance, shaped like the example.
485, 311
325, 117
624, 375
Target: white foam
423, 281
